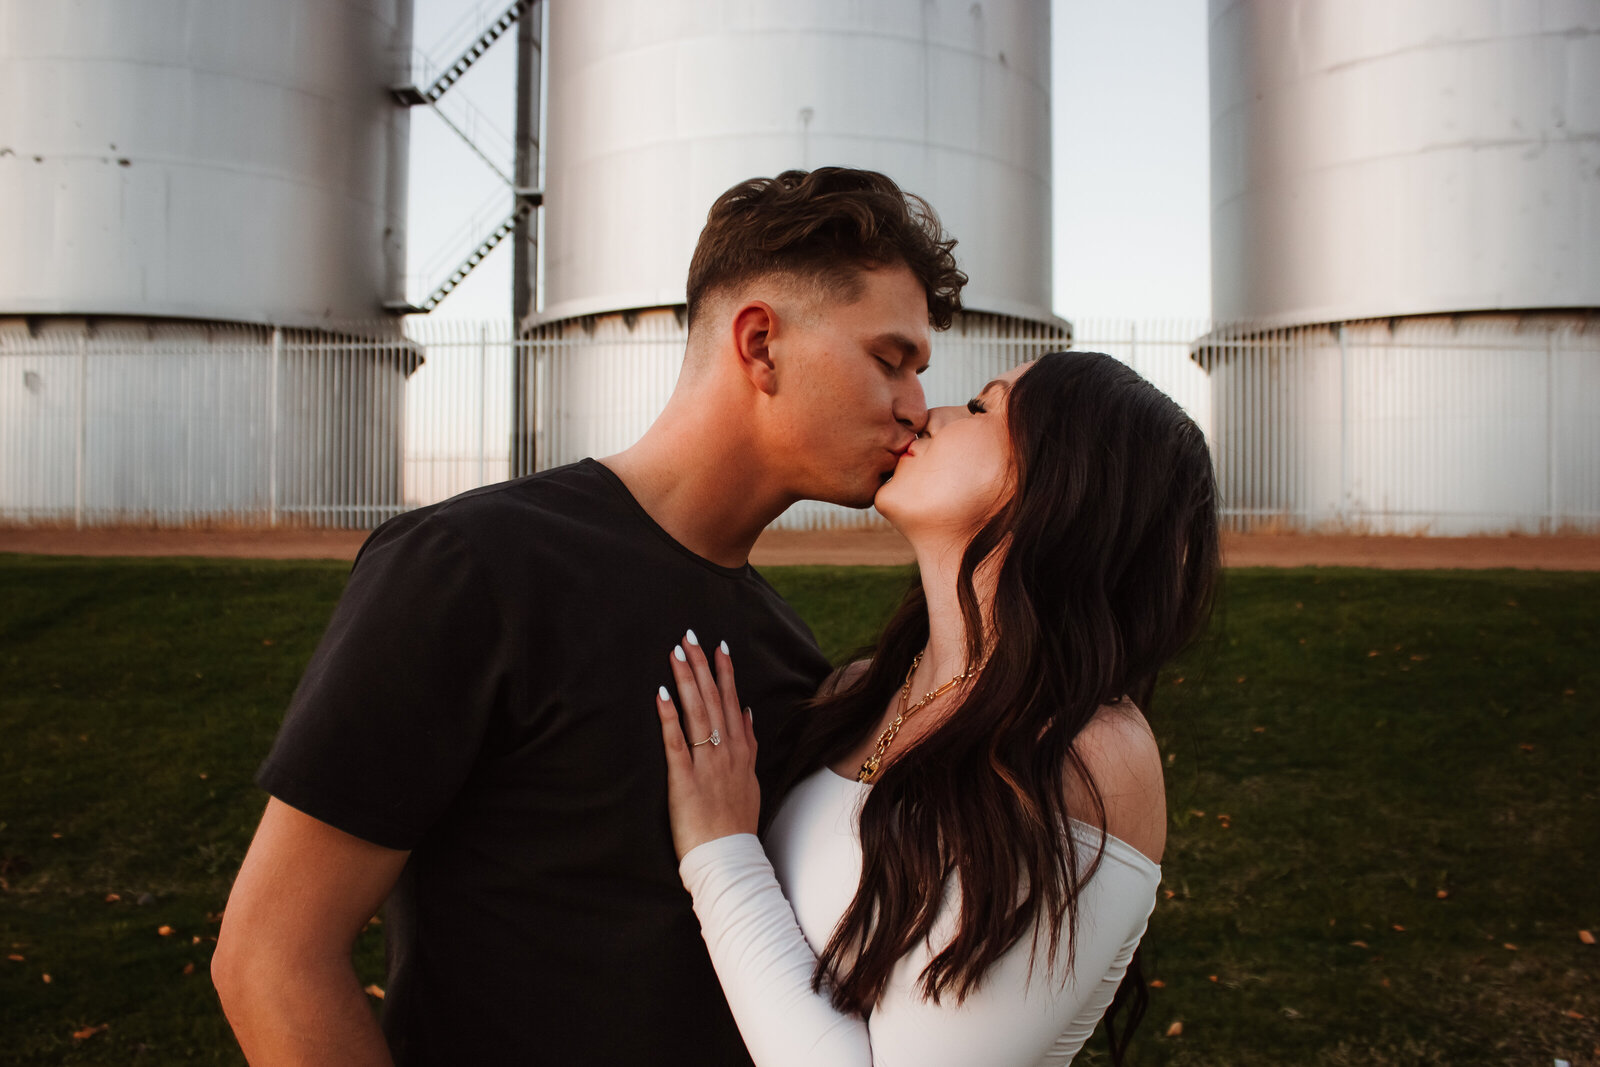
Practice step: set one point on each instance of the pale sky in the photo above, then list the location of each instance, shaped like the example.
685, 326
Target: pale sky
1130, 130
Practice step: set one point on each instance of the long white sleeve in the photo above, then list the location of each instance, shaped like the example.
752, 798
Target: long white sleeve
764, 958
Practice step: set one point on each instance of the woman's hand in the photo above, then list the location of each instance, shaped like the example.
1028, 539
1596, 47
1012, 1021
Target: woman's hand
711, 774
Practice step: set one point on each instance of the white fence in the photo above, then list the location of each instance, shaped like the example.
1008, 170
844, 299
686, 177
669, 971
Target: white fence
1443, 425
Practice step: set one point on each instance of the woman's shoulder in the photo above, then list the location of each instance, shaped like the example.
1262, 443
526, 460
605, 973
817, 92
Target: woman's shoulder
1120, 753
843, 677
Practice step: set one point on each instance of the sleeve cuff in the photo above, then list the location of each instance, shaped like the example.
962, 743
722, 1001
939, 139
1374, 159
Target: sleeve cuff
734, 850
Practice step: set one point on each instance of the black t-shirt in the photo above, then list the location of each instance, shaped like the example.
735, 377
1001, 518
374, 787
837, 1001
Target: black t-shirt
484, 696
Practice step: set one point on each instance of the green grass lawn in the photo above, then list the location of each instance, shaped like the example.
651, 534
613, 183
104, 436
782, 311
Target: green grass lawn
1408, 765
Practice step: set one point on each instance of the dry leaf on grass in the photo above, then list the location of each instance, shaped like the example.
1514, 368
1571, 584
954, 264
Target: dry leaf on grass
1398, 928
46, 979
89, 1031
1441, 894
188, 968
374, 991
112, 898
16, 958
1509, 947
1573, 1014
1157, 983
1175, 1029
1359, 944
1586, 937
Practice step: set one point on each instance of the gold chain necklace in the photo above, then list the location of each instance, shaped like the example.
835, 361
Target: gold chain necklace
869, 769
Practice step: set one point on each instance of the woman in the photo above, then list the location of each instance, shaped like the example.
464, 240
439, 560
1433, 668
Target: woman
970, 850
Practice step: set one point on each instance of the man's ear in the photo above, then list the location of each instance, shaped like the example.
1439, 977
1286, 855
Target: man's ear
755, 327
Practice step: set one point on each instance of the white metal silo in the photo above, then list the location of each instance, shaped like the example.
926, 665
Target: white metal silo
656, 106
211, 171
1406, 227
233, 160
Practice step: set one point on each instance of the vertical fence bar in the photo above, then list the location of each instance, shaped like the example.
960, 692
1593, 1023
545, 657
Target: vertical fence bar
1344, 427
80, 462
483, 398
272, 426
1552, 511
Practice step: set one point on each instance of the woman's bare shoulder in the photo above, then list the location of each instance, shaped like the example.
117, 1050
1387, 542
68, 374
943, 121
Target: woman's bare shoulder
1121, 755
843, 677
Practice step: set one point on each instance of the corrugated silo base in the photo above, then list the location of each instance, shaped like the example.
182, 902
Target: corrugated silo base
1445, 425
172, 423
601, 380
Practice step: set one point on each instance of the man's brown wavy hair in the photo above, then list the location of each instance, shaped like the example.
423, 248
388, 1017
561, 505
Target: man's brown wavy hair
825, 227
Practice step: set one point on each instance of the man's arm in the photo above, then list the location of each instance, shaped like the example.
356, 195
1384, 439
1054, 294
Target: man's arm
282, 966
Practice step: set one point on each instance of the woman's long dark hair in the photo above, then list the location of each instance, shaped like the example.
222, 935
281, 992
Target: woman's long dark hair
1109, 567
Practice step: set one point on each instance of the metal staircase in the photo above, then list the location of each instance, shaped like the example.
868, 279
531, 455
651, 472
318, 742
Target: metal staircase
524, 200
410, 95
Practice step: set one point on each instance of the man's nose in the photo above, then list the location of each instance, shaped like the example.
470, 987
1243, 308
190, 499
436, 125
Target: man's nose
938, 418
911, 407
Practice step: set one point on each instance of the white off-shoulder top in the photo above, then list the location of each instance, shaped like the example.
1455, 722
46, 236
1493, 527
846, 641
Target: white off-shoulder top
765, 914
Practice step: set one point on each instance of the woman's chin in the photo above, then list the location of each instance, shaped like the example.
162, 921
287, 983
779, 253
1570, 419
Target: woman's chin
885, 501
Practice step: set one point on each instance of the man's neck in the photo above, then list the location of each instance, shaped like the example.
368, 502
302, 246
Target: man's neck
707, 486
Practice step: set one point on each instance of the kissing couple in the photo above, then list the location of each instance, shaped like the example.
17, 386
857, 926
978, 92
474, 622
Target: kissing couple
614, 803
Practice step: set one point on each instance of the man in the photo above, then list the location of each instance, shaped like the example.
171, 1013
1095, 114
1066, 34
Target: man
475, 745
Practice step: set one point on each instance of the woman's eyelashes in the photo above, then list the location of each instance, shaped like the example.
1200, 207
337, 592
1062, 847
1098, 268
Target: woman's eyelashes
975, 406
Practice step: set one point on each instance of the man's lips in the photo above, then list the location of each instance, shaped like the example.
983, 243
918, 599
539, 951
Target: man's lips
899, 454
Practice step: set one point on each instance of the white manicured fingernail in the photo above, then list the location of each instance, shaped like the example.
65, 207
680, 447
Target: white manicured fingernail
725, 651
693, 640
677, 650
662, 693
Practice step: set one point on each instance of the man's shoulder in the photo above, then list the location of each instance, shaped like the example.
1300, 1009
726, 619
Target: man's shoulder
570, 491
523, 512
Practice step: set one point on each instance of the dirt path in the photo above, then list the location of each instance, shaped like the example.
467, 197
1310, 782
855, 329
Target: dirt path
779, 547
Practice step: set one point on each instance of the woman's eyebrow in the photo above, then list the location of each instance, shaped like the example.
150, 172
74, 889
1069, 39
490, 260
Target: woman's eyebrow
1005, 386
